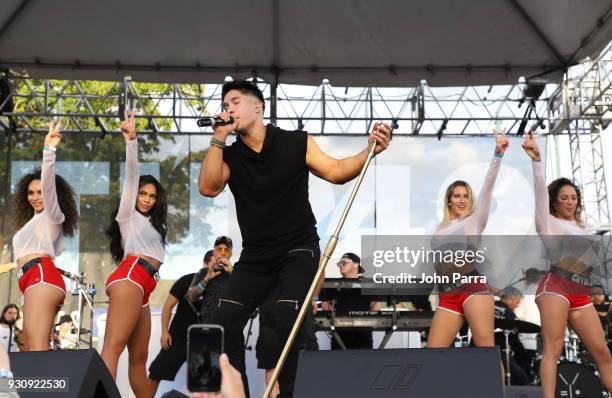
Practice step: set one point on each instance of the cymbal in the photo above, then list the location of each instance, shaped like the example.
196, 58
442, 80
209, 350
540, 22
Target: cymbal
7, 267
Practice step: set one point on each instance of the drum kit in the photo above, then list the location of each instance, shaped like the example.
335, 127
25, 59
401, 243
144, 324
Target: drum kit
577, 374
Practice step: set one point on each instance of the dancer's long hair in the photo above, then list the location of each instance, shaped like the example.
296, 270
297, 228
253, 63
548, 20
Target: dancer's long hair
157, 217
447, 198
23, 210
553, 192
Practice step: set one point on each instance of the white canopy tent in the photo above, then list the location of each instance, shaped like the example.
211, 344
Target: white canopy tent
350, 42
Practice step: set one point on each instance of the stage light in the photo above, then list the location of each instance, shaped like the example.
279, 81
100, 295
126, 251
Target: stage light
103, 130
532, 90
152, 126
442, 128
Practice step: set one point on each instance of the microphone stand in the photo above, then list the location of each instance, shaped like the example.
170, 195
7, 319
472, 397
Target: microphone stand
249, 332
86, 293
10, 341
329, 250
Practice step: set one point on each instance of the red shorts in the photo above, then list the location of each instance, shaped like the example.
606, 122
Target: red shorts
130, 270
43, 272
453, 301
576, 294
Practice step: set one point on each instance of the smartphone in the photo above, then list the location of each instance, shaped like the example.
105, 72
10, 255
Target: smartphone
204, 347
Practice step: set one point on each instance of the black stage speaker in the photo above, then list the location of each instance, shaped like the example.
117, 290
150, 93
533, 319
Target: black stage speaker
405, 373
174, 394
523, 392
83, 371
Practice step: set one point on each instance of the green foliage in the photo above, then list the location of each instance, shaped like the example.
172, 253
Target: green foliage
102, 99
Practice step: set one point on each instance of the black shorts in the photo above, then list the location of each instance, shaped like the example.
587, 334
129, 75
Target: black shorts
166, 364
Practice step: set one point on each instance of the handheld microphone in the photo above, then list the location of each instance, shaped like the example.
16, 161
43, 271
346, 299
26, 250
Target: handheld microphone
72, 276
65, 273
213, 121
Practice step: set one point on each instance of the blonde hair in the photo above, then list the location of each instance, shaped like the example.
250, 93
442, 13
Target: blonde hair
446, 205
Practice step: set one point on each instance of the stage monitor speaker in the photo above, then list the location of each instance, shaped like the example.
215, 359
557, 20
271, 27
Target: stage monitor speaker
405, 373
174, 394
523, 392
83, 371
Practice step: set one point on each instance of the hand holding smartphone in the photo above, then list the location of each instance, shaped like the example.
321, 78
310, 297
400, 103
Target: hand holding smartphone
204, 347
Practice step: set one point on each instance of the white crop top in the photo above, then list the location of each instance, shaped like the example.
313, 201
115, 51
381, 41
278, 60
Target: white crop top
476, 222
137, 233
563, 239
42, 234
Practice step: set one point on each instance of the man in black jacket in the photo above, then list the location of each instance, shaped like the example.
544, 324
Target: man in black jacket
197, 294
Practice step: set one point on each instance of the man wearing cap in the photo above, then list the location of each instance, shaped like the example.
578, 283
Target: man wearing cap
67, 339
267, 170
197, 294
350, 268
212, 280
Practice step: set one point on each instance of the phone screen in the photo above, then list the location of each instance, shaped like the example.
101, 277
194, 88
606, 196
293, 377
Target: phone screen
204, 347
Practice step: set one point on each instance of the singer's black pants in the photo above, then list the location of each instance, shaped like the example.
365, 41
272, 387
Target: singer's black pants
286, 279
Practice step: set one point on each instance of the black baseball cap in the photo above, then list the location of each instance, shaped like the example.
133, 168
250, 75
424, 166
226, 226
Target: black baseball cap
224, 240
64, 319
354, 258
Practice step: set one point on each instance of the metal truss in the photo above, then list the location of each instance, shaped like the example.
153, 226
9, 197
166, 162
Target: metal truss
324, 109
581, 108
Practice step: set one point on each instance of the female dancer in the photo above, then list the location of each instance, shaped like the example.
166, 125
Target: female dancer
473, 300
44, 211
137, 238
563, 293
13, 336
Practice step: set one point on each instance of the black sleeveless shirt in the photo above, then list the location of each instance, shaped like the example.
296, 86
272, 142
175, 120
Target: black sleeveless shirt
271, 193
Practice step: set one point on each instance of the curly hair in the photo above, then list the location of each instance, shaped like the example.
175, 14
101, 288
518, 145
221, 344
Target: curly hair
23, 210
157, 213
553, 192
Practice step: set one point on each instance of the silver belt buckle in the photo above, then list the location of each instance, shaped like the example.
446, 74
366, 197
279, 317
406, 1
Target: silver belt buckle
580, 280
19, 273
156, 277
